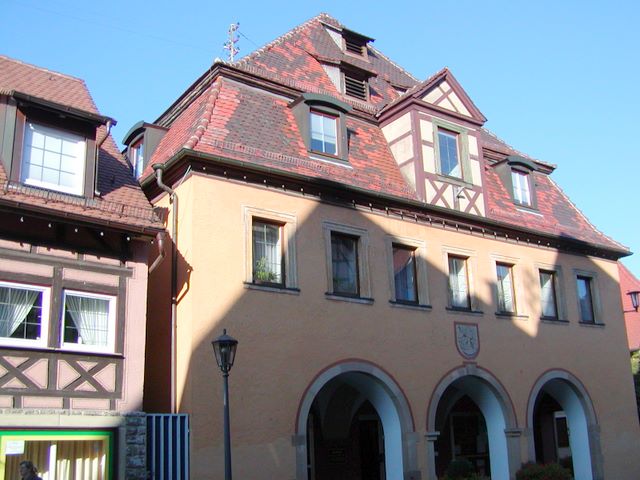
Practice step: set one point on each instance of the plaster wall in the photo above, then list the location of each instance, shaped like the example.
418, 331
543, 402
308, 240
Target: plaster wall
288, 337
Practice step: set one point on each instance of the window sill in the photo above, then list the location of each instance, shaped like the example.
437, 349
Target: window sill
64, 351
459, 181
341, 162
554, 321
346, 298
513, 315
410, 306
271, 288
591, 324
464, 311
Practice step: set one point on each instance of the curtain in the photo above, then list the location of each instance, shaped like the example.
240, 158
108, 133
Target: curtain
505, 289
267, 253
91, 318
38, 452
547, 295
344, 257
81, 460
404, 274
458, 282
15, 305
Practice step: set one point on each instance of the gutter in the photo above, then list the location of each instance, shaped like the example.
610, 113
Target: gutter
159, 168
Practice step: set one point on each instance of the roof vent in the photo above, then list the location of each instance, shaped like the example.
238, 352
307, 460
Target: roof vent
356, 86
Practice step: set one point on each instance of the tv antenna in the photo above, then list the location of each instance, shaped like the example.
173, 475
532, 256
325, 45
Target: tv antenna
230, 44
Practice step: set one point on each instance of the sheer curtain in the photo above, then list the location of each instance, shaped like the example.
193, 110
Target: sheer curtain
15, 305
81, 460
91, 318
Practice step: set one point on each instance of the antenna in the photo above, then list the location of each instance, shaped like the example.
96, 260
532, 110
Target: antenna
233, 39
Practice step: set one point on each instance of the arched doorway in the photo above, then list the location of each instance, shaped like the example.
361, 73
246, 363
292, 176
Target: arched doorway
470, 415
354, 423
564, 426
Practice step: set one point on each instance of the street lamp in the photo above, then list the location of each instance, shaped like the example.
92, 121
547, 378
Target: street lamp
224, 348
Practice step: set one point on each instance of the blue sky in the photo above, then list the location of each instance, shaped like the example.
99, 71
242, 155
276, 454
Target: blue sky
556, 79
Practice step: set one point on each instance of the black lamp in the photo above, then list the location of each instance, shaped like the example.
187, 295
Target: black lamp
634, 298
224, 348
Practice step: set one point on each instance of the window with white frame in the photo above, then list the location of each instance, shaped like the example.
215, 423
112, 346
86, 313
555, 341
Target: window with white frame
24, 310
521, 188
505, 288
585, 299
268, 261
548, 294
405, 274
137, 158
324, 133
53, 159
459, 296
88, 321
449, 153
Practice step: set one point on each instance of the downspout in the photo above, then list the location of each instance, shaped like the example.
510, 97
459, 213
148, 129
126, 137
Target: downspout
173, 197
161, 253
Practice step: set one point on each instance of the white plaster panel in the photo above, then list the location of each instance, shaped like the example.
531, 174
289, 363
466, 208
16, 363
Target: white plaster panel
87, 365
432, 96
66, 375
28, 268
428, 159
480, 204
463, 201
445, 86
15, 245
6, 401
445, 103
473, 145
409, 173
16, 361
457, 103
103, 260
85, 387
335, 36
89, 404
42, 402
14, 383
476, 178
38, 373
90, 277
107, 378
334, 75
403, 149
426, 130
429, 191
56, 252
398, 127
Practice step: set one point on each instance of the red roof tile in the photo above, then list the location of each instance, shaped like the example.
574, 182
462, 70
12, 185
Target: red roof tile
628, 283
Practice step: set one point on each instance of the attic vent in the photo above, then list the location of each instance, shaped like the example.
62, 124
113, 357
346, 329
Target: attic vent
357, 87
354, 45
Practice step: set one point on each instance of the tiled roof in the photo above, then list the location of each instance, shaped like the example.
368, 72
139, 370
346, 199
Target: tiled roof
628, 283
240, 122
121, 202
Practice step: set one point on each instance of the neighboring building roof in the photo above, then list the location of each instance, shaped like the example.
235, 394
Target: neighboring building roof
225, 115
121, 203
629, 283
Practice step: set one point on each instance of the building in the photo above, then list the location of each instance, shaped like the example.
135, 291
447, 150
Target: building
406, 288
75, 235
629, 283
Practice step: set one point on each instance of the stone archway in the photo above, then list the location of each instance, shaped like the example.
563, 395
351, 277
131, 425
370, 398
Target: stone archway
584, 440
358, 383
488, 397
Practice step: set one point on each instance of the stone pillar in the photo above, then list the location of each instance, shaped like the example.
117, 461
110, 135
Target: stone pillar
431, 438
410, 449
596, 452
135, 446
513, 449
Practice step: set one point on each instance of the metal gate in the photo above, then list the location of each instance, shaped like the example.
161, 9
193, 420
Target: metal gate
168, 446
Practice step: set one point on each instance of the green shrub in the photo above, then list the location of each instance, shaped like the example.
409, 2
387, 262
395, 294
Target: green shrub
460, 469
535, 471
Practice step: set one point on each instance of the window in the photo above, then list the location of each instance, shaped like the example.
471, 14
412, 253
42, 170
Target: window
324, 133
344, 260
585, 299
356, 86
548, 294
53, 159
404, 274
458, 283
137, 158
24, 310
448, 153
521, 191
505, 290
268, 264
88, 322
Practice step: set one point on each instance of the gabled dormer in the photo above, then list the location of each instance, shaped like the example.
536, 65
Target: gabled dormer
432, 131
141, 141
49, 145
517, 176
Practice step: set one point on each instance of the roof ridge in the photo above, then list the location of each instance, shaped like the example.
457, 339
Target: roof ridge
584, 217
205, 119
280, 39
37, 67
393, 63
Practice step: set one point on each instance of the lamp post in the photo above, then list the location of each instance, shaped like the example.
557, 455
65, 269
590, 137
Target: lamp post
224, 348
634, 299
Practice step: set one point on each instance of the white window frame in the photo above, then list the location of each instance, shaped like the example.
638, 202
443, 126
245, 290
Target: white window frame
288, 239
511, 274
595, 297
561, 306
420, 256
336, 127
362, 237
521, 188
44, 323
470, 257
111, 333
79, 161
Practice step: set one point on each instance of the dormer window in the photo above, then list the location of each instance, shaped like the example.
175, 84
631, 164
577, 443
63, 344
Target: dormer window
324, 133
356, 85
521, 189
449, 153
136, 154
53, 159
355, 43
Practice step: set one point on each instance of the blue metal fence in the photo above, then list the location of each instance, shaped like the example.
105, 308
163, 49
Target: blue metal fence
168, 446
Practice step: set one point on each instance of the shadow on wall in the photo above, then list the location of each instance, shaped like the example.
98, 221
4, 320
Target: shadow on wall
288, 337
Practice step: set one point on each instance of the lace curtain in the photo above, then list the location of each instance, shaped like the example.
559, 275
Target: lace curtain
91, 318
15, 305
